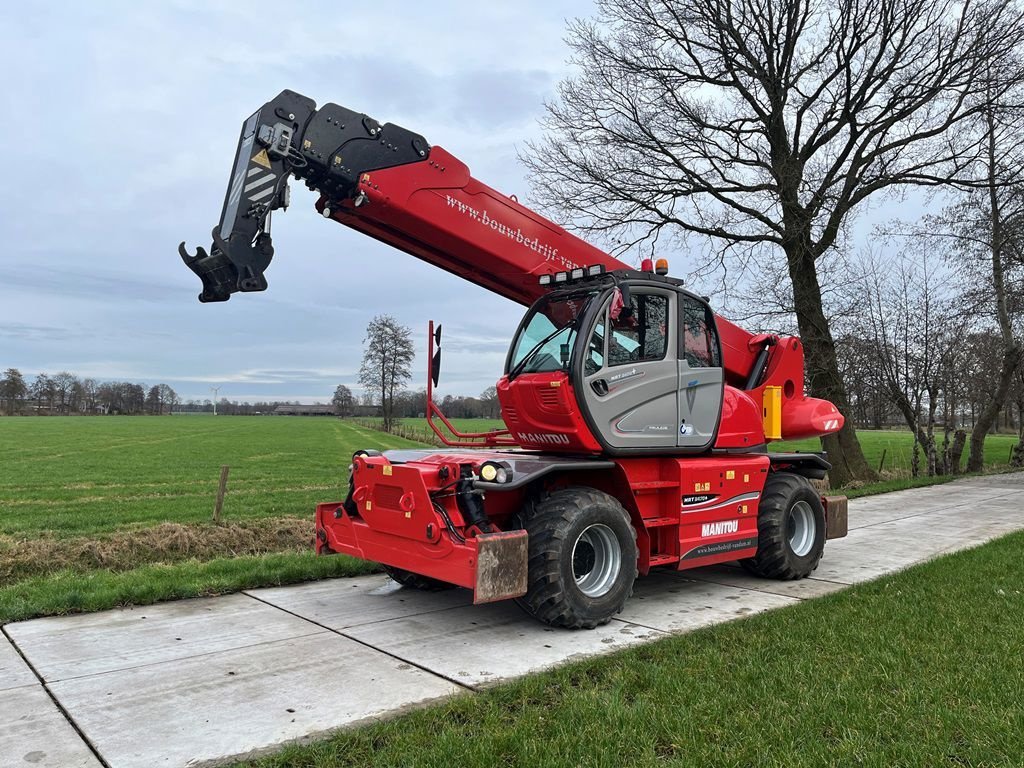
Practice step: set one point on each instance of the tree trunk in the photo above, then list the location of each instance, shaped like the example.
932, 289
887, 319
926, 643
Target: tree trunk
945, 449
822, 367
1017, 458
957, 451
930, 449
988, 415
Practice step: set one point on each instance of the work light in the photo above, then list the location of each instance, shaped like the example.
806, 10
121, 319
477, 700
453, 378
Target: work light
496, 472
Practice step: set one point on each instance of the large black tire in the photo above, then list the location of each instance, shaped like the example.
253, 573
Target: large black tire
787, 548
416, 581
582, 558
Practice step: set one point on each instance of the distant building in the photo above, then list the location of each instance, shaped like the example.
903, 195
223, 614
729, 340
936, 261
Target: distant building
304, 410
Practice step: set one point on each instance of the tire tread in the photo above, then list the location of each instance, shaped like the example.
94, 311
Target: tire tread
773, 560
548, 523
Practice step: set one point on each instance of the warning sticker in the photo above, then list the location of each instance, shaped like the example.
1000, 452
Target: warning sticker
260, 158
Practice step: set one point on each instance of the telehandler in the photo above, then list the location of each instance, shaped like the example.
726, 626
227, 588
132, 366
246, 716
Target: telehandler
637, 422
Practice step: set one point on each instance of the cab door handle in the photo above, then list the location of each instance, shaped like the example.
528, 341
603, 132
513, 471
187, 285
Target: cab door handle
600, 386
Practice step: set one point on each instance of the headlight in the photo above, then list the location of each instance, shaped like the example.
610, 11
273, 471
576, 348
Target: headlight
496, 472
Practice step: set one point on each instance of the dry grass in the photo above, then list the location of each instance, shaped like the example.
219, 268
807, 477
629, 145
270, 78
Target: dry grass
123, 550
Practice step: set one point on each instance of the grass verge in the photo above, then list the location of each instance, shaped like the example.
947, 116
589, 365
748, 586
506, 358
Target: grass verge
22, 558
921, 668
897, 484
76, 591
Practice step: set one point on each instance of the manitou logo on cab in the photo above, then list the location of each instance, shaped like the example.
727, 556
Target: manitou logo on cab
717, 529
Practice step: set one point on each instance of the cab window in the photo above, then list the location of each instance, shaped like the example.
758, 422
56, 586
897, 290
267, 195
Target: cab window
640, 335
547, 336
699, 341
594, 360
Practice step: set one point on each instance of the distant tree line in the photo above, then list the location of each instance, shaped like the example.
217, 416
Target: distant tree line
409, 404
227, 407
65, 394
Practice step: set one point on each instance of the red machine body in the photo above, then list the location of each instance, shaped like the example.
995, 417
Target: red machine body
687, 511
459, 515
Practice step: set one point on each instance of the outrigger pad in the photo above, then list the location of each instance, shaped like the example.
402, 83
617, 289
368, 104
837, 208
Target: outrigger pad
501, 561
836, 516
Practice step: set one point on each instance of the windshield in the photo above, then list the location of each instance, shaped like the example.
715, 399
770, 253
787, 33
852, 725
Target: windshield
545, 342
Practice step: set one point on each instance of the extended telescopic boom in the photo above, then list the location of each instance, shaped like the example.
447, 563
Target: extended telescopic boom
390, 184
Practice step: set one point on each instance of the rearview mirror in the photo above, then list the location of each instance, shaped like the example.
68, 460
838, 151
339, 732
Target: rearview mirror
435, 365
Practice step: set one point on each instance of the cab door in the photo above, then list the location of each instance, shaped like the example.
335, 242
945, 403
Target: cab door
701, 377
631, 371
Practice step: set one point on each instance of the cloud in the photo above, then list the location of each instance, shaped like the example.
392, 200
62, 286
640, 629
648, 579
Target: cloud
36, 333
79, 283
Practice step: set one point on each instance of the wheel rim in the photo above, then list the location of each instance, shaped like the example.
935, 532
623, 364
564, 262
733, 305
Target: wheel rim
800, 528
596, 560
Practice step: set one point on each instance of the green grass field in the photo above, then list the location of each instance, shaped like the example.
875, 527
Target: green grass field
922, 668
73, 476
101, 512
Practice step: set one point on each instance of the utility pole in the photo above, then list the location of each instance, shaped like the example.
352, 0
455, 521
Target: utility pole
215, 390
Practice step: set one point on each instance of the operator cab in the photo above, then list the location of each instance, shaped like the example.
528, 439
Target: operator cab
624, 362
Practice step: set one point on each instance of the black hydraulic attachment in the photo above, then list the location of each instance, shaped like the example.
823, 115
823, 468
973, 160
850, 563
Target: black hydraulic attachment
329, 149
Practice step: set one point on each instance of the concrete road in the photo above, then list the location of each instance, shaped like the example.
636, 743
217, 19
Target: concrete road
201, 681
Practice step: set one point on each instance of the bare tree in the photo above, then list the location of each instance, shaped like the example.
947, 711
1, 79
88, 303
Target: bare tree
43, 390
64, 386
153, 402
168, 397
12, 390
983, 235
990, 234
489, 405
761, 124
916, 326
343, 401
90, 395
387, 357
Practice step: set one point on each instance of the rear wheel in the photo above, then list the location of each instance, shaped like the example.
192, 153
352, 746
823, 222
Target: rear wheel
790, 529
416, 581
582, 558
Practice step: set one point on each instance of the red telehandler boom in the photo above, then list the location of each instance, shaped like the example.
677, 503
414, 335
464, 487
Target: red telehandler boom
637, 421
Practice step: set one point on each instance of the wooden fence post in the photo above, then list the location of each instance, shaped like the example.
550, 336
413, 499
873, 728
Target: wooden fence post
220, 493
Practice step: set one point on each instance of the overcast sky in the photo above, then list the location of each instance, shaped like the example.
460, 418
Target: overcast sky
121, 120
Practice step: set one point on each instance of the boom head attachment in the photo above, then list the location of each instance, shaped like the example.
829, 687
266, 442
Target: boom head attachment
329, 149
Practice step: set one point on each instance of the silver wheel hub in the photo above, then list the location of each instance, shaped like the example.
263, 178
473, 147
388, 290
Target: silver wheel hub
596, 560
800, 528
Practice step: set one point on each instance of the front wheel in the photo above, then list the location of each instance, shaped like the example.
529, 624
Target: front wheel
790, 529
582, 558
